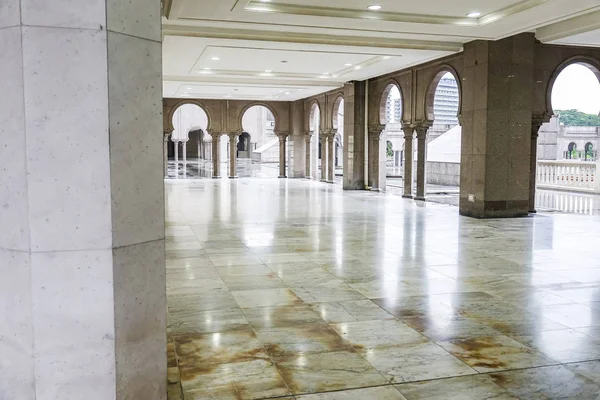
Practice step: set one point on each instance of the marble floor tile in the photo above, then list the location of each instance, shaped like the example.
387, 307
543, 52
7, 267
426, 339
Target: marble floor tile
226, 260
322, 372
416, 362
475, 387
227, 320
417, 306
328, 292
303, 339
244, 270
350, 311
572, 315
441, 328
368, 335
261, 318
495, 353
376, 393
565, 346
252, 282
266, 298
589, 369
554, 382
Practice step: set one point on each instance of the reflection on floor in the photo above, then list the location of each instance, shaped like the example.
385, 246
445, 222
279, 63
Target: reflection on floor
295, 289
196, 169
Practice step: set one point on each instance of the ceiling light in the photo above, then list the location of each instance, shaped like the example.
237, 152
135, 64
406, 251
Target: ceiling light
348, 65
325, 73
207, 69
265, 1
357, 67
287, 92
215, 58
335, 76
268, 70
474, 14
374, 7
386, 57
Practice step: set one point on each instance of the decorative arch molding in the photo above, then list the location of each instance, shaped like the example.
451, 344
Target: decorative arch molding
429, 97
588, 61
334, 110
387, 87
313, 105
168, 125
266, 105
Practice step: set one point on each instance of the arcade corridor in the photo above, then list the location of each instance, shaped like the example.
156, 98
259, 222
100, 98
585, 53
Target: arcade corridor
283, 288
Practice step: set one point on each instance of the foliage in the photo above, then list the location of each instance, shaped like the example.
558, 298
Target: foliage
389, 150
577, 118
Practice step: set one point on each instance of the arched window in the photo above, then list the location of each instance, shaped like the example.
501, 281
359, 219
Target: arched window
572, 151
589, 152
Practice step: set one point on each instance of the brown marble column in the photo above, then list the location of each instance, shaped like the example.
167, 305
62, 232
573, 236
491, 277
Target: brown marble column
216, 137
323, 139
282, 155
233, 155
496, 119
407, 176
331, 156
355, 105
535, 127
308, 149
166, 153
421, 161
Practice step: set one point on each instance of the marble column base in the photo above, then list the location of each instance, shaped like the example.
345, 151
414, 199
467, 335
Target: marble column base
282, 177
233, 177
407, 196
329, 181
375, 190
420, 198
216, 177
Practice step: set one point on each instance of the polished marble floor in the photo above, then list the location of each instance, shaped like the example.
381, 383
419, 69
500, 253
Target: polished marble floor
294, 289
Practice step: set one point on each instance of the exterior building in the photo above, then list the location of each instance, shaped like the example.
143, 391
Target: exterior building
560, 142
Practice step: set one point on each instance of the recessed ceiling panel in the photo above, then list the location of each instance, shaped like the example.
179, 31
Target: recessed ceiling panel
459, 8
257, 60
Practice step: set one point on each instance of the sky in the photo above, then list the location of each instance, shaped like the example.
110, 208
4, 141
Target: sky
577, 88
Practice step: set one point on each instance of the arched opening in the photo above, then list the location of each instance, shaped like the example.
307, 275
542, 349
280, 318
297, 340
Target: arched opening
314, 152
258, 137
244, 145
189, 141
391, 150
444, 138
566, 144
338, 127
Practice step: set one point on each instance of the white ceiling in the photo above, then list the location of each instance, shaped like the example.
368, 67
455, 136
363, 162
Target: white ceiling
224, 48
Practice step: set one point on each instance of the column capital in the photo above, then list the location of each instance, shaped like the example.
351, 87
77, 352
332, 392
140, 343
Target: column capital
422, 130
233, 135
215, 135
376, 129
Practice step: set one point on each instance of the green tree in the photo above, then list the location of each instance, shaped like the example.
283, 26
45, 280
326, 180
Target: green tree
389, 149
577, 118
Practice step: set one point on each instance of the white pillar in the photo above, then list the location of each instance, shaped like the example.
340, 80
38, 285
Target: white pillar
176, 143
184, 151
82, 268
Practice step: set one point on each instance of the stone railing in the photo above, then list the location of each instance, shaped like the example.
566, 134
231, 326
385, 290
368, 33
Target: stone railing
572, 175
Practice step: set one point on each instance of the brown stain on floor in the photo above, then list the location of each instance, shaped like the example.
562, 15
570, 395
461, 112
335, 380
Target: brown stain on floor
474, 353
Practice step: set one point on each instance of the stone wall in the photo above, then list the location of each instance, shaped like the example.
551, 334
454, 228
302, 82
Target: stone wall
443, 173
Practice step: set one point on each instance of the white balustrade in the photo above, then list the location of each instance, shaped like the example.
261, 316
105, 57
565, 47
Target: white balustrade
572, 175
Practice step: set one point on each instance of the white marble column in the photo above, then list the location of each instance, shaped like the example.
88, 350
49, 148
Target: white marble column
375, 134
82, 268
407, 175
282, 155
184, 151
323, 138
176, 150
233, 155
331, 157
308, 150
166, 153
216, 138
421, 162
